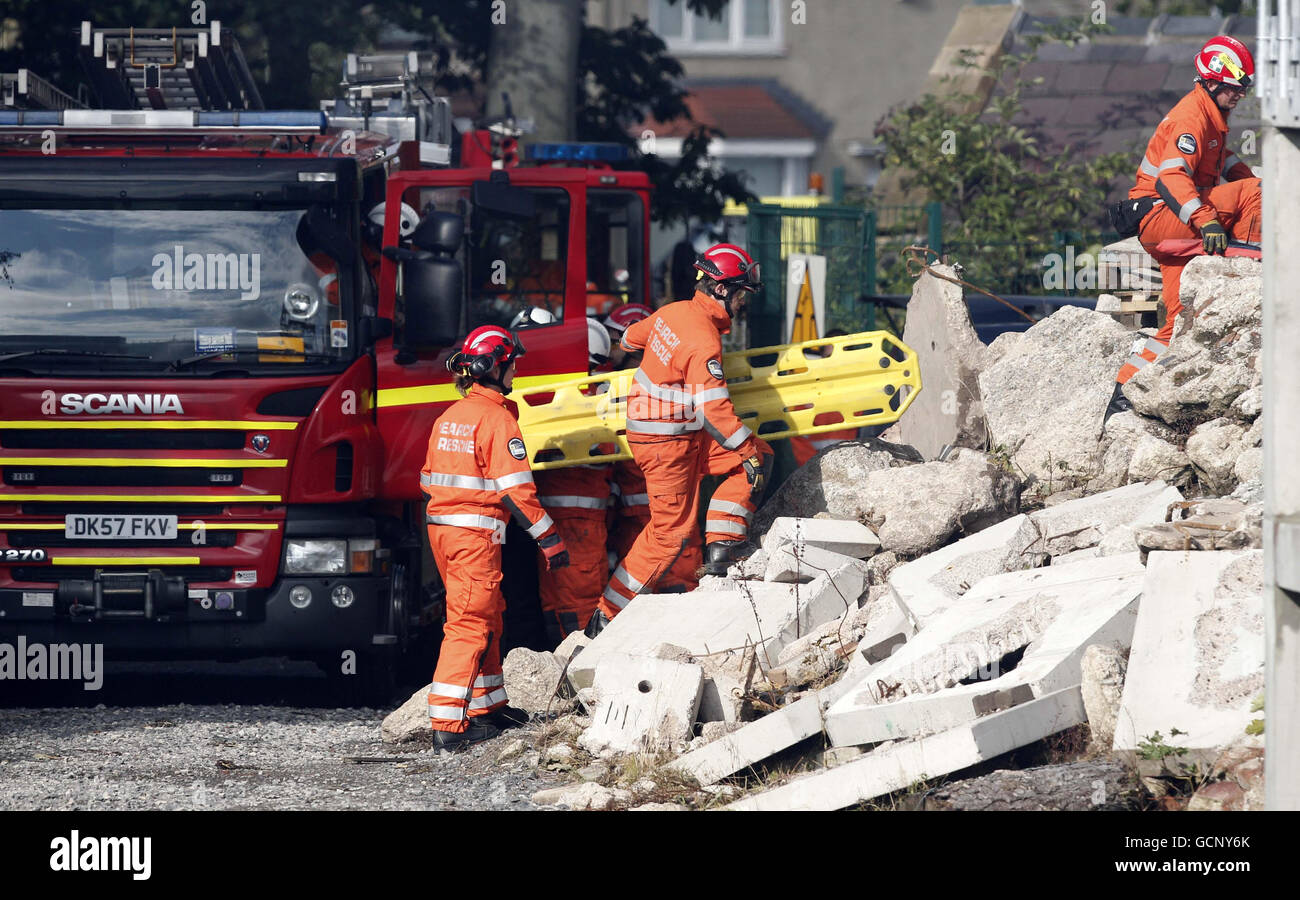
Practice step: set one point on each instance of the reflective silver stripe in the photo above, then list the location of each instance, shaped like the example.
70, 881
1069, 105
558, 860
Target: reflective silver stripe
712, 394
660, 392
1186, 210
614, 597
737, 438
468, 482
1138, 362
468, 520
636, 499
725, 526
628, 581
1228, 163
1149, 168
487, 681
733, 509
1155, 346
492, 699
455, 691
446, 712
571, 501
514, 479
645, 427
541, 526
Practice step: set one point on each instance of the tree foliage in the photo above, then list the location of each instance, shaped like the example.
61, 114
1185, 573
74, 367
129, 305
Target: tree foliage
1005, 195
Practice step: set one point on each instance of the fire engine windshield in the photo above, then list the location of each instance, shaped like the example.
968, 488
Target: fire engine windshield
202, 288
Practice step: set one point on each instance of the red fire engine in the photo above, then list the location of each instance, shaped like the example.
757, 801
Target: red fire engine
218, 370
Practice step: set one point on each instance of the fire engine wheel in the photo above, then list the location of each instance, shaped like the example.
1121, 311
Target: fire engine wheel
400, 605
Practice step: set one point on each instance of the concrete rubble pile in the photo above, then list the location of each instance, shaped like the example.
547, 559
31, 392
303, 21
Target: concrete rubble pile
914, 614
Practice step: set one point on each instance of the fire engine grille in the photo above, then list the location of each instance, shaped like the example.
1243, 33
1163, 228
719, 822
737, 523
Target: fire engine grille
55, 539
49, 574
119, 439
120, 476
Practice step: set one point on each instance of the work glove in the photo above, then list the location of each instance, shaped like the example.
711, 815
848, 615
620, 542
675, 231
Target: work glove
1214, 238
557, 556
756, 475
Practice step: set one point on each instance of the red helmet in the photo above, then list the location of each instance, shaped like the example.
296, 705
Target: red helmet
729, 264
483, 348
627, 314
1226, 60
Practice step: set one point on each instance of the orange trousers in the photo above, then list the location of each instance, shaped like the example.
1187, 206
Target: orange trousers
673, 468
570, 595
681, 575
1238, 203
467, 681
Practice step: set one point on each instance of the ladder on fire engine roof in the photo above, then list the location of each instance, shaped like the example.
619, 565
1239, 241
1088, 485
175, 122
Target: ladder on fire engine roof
24, 90
168, 68
389, 93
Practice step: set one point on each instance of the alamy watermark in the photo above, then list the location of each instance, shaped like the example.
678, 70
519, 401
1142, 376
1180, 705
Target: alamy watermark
23, 661
181, 271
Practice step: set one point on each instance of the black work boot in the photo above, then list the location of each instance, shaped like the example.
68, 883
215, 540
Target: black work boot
596, 624
479, 730
1118, 404
719, 555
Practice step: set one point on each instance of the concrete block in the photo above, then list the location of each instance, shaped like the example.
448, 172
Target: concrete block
726, 679
840, 535
756, 741
927, 586
896, 766
642, 704
1078, 524
1052, 613
765, 616
571, 646
1198, 651
788, 562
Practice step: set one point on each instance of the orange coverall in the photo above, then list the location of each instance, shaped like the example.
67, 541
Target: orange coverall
681, 426
1182, 166
631, 517
576, 498
476, 468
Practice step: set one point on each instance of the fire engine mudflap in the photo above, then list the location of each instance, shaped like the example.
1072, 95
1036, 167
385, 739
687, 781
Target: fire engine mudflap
205, 518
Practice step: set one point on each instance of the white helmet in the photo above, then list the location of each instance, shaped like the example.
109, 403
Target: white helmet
598, 343
531, 317
410, 218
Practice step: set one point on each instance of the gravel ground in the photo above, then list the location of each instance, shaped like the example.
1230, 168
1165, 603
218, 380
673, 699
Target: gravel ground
237, 755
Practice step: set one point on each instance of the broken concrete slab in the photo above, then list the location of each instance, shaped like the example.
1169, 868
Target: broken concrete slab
1082, 785
531, 679
789, 562
1083, 523
756, 741
949, 412
927, 586
641, 704
764, 616
895, 766
571, 646
1198, 651
1103, 669
844, 536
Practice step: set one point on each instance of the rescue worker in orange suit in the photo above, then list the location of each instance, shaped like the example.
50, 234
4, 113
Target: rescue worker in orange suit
681, 426
576, 498
805, 448
1179, 178
477, 469
632, 507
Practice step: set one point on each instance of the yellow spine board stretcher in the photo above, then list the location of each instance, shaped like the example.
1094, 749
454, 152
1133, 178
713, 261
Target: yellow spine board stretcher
869, 378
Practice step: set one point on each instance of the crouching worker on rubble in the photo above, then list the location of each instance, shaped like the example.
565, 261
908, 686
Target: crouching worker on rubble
681, 426
1178, 194
476, 468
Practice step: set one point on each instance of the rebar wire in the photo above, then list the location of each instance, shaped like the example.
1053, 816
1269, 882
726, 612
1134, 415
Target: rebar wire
924, 266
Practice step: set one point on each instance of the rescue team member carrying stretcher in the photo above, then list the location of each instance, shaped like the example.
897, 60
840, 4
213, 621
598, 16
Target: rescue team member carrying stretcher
1178, 194
476, 468
681, 426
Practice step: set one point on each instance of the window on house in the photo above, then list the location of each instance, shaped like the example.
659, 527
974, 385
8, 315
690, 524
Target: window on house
744, 26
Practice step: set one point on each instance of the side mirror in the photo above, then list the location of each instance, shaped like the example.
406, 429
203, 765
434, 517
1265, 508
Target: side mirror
500, 197
433, 290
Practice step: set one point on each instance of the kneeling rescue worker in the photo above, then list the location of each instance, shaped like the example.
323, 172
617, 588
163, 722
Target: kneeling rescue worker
476, 469
681, 426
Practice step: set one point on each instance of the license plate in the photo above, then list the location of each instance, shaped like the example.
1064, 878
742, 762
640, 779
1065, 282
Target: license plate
120, 528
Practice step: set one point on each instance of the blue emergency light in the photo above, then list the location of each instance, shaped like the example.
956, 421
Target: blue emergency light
577, 152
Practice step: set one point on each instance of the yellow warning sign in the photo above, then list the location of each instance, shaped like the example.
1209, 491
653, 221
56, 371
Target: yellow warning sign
805, 316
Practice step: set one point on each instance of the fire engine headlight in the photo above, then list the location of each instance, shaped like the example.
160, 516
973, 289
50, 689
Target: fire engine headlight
300, 596
300, 301
315, 557
341, 596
